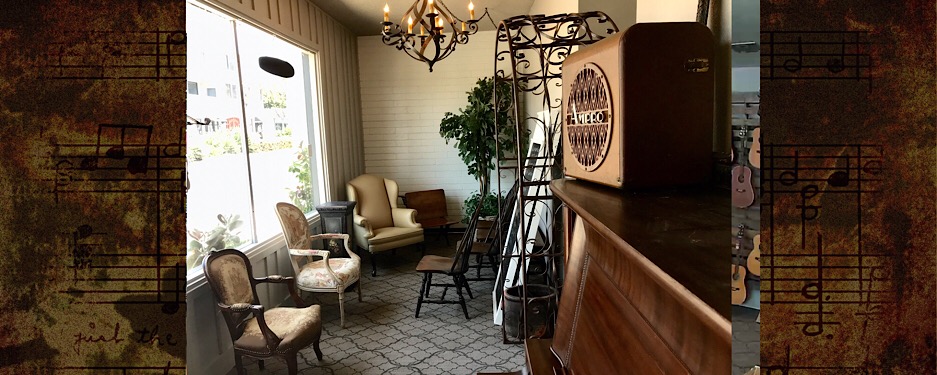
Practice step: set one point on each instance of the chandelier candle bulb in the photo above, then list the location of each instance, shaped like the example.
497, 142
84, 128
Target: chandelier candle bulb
410, 25
471, 11
386, 13
421, 30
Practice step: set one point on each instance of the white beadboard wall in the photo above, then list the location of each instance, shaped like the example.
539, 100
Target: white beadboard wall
209, 348
402, 104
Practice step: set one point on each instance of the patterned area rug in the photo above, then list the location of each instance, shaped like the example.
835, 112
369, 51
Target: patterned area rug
381, 335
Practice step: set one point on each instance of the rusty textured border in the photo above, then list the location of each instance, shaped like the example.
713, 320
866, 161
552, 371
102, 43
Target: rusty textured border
878, 319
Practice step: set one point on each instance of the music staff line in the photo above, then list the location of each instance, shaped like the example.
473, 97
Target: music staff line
115, 58
786, 368
823, 54
830, 287
133, 147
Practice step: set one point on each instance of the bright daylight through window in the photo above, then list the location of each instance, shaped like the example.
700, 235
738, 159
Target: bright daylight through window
258, 145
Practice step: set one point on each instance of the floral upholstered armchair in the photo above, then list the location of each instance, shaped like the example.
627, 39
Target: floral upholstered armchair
334, 275
256, 331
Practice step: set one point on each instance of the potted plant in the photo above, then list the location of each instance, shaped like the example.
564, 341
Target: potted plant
477, 139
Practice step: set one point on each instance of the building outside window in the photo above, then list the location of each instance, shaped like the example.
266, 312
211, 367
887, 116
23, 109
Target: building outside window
238, 170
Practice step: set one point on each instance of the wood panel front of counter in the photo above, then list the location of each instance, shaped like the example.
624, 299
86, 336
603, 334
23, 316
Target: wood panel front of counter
645, 290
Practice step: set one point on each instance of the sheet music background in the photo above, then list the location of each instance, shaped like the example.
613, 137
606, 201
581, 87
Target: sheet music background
91, 187
848, 236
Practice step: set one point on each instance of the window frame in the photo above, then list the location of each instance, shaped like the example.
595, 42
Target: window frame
312, 87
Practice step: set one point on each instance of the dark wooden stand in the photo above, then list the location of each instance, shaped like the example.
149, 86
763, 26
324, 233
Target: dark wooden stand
336, 217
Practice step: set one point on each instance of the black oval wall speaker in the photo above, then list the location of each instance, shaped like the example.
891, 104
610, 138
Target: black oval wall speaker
276, 66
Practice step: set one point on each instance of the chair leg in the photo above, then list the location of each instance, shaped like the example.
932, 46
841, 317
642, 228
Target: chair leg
291, 363
341, 307
494, 266
239, 364
373, 265
359, 290
429, 284
478, 271
445, 233
458, 290
422, 249
419, 300
465, 282
260, 364
315, 347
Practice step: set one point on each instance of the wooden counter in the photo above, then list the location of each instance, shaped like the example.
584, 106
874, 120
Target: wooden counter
647, 282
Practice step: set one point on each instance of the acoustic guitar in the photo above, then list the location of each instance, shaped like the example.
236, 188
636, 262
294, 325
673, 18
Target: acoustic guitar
739, 294
754, 257
754, 153
743, 194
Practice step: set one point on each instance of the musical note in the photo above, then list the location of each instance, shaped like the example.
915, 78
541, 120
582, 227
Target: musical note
794, 65
118, 151
171, 307
814, 291
840, 178
82, 252
838, 64
808, 212
790, 176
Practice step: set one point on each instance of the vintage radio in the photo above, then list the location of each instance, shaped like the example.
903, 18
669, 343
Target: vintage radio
638, 107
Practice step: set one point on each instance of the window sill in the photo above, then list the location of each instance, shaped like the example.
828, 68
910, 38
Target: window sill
255, 251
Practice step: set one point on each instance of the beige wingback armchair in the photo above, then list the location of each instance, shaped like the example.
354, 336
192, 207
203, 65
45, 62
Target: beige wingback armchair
379, 224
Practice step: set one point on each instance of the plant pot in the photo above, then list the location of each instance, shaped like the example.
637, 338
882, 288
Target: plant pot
484, 226
541, 308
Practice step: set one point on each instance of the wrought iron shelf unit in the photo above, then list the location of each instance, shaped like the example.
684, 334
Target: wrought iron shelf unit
529, 54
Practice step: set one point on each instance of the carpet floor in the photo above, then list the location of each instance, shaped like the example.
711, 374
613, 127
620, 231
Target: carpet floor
382, 336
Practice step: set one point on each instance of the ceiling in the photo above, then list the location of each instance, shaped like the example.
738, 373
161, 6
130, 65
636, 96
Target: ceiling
364, 17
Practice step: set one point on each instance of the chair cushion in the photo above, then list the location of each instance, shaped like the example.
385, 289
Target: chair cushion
434, 263
298, 327
372, 200
313, 275
392, 234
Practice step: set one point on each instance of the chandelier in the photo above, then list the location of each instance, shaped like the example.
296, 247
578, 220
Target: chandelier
439, 29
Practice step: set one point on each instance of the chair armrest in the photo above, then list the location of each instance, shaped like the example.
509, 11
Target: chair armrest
290, 285
363, 222
258, 311
405, 218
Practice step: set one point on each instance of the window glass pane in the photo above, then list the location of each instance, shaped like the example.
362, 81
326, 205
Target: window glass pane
277, 128
218, 200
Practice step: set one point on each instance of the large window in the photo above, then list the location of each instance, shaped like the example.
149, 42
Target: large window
259, 145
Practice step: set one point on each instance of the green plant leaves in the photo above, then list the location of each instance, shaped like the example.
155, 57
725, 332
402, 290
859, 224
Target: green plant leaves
473, 129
